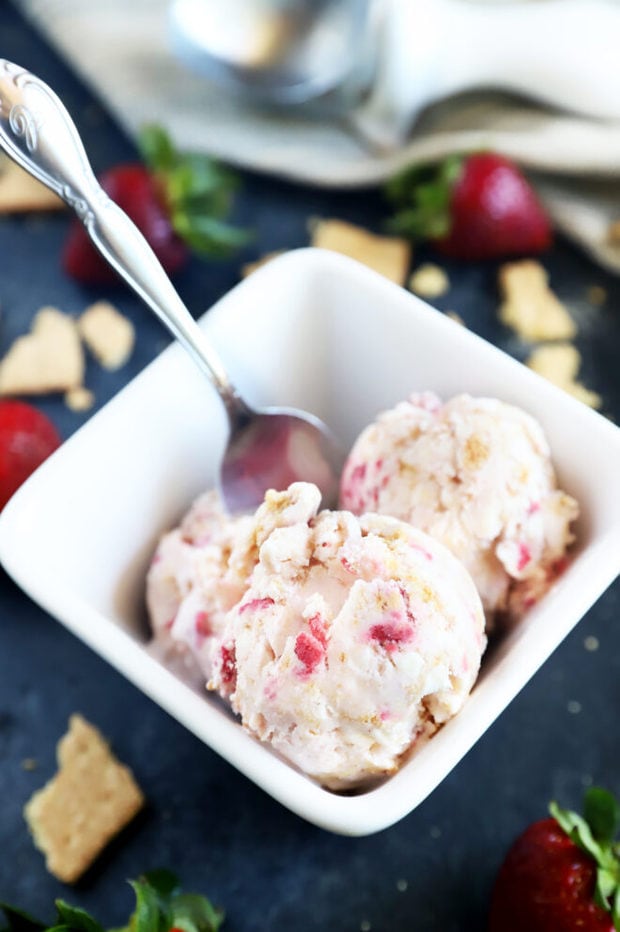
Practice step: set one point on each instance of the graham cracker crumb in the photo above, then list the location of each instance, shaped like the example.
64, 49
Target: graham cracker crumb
429, 281
48, 359
388, 255
29, 763
476, 452
91, 798
250, 267
80, 399
453, 315
20, 192
530, 307
596, 295
560, 363
108, 334
613, 233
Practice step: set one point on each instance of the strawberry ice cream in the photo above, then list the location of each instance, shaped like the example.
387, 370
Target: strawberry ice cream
475, 474
353, 640
192, 583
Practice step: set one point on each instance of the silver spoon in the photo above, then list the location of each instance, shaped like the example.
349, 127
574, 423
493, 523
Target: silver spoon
267, 448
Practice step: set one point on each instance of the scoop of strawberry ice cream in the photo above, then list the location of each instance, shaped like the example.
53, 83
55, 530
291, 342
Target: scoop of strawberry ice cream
192, 583
476, 474
354, 640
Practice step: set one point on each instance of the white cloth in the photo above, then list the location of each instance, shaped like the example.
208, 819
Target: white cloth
121, 48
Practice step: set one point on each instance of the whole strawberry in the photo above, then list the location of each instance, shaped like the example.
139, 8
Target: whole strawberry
179, 201
27, 437
562, 874
480, 206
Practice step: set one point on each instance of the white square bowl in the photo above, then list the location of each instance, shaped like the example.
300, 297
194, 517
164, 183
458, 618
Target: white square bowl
318, 331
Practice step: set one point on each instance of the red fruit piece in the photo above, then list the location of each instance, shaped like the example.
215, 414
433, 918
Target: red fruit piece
179, 200
546, 884
477, 207
27, 437
494, 212
135, 190
562, 874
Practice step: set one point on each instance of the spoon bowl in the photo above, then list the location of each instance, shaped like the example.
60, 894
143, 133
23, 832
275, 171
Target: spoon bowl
266, 448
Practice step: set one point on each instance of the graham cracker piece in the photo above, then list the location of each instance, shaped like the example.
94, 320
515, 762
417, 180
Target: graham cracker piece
250, 267
389, 255
560, 363
80, 399
107, 333
48, 359
613, 233
91, 798
20, 192
429, 281
596, 295
530, 307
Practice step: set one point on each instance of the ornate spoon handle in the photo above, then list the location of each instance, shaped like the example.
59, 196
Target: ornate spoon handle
38, 133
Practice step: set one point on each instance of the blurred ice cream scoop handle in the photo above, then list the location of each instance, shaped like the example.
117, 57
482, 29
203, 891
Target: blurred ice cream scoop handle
560, 52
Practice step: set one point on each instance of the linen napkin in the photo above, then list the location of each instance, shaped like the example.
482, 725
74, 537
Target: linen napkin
122, 49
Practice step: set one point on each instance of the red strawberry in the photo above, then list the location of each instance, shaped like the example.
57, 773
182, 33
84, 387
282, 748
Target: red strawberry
27, 437
134, 189
177, 200
562, 874
477, 207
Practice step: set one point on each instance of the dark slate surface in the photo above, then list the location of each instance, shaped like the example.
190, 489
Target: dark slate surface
432, 871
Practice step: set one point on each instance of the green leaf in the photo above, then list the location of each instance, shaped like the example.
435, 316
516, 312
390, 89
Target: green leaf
602, 813
198, 192
194, 913
594, 834
75, 918
615, 910
422, 196
147, 914
20, 921
156, 147
208, 235
163, 881
606, 885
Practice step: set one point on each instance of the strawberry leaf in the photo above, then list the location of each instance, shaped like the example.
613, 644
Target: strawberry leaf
147, 914
595, 835
156, 148
194, 913
19, 921
602, 813
163, 881
198, 194
578, 829
161, 906
422, 196
76, 919
615, 912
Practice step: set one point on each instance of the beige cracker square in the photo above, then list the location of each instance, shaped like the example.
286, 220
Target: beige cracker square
20, 192
389, 255
91, 798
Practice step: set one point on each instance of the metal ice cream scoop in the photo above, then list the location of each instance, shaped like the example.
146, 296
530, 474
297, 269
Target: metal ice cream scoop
385, 60
267, 448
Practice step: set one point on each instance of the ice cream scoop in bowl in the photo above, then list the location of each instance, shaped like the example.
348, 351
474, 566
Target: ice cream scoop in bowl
267, 448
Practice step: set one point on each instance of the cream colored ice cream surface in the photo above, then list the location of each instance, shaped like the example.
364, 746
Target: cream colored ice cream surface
193, 581
355, 638
475, 474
